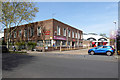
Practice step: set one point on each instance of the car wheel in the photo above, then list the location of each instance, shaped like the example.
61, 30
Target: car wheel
92, 53
108, 53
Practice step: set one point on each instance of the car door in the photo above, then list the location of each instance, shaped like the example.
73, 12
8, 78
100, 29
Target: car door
104, 49
99, 50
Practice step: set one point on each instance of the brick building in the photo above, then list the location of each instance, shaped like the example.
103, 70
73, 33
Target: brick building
55, 32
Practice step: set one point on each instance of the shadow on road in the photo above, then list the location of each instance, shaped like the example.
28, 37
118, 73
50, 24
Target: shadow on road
103, 54
10, 61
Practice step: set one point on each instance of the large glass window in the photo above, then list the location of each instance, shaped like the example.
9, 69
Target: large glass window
64, 43
58, 43
47, 42
68, 33
58, 30
64, 32
39, 31
72, 34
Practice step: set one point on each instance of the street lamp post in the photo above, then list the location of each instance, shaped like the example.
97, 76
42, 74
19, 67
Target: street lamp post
115, 37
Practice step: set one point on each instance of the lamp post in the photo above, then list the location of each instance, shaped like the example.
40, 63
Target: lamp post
115, 37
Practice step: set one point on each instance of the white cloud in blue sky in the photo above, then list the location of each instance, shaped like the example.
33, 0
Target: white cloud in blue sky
94, 17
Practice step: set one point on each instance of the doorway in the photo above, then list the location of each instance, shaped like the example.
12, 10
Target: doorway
73, 43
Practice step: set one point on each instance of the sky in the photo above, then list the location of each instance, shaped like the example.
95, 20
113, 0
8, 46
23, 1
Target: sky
90, 17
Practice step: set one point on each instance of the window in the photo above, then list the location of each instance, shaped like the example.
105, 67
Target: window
75, 35
15, 34
28, 32
68, 33
39, 31
20, 33
69, 43
47, 42
78, 35
32, 31
64, 43
40, 43
58, 43
58, 30
64, 32
72, 34
25, 32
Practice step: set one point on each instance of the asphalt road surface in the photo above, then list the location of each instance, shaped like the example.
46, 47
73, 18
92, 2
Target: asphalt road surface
59, 66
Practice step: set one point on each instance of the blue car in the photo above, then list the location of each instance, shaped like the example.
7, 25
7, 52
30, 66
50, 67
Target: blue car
109, 50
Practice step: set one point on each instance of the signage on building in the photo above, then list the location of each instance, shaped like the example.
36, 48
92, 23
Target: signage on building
59, 38
47, 32
74, 40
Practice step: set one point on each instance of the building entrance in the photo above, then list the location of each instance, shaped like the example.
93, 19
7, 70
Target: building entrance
73, 43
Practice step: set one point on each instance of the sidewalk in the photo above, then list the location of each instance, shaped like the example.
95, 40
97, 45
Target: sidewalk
70, 52
79, 52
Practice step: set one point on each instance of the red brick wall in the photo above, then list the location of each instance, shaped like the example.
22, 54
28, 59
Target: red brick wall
50, 25
62, 25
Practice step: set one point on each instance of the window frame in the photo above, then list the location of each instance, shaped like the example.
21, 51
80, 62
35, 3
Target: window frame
38, 31
76, 35
64, 31
58, 30
73, 34
69, 33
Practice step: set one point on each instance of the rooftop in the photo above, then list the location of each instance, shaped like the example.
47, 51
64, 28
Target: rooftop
48, 20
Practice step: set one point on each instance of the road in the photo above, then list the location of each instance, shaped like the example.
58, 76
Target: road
49, 65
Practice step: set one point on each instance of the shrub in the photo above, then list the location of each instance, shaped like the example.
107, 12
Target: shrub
31, 45
19, 45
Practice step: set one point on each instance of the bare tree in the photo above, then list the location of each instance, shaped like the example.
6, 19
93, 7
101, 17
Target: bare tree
16, 13
43, 30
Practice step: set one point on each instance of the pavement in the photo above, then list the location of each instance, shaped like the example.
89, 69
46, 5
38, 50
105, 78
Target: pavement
81, 52
67, 64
